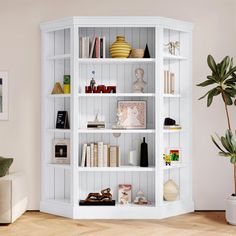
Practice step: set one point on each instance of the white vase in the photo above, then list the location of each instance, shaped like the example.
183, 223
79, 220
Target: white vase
231, 210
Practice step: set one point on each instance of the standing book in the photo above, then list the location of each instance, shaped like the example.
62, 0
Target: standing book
88, 158
100, 154
95, 155
105, 155
84, 151
92, 155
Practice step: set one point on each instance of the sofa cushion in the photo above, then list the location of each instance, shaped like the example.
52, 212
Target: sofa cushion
5, 164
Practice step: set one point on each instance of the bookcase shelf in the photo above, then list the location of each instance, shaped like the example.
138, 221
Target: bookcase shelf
64, 185
117, 169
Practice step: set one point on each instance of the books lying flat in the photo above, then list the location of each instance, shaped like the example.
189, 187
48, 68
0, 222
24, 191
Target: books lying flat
172, 127
96, 125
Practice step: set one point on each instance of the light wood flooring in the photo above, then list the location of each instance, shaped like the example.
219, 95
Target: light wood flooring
200, 223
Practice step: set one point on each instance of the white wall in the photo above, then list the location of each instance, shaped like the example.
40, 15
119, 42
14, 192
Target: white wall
20, 55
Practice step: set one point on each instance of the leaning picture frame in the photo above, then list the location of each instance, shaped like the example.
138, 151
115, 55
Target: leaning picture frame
3, 96
175, 153
61, 151
133, 114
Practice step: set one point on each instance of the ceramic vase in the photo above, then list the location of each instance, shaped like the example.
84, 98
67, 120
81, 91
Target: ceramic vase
120, 48
171, 190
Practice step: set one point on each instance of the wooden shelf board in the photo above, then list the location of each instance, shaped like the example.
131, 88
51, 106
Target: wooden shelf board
59, 57
59, 130
116, 60
63, 166
173, 57
122, 131
116, 95
117, 169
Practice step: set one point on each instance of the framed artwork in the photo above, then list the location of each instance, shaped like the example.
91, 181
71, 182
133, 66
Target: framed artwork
124, 193
175, 154
132, 114
61, 151
3, 96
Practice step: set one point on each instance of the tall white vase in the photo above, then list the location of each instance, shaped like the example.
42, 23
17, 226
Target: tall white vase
231, 210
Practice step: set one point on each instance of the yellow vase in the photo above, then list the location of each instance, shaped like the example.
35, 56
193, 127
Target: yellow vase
120, 48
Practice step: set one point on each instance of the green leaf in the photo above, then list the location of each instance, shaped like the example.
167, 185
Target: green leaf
226, 97
226, 144
215, 78
211, 63
206, 83
233, 159
217, 145
233, 142
235, 102
230, 72
225, 154
209, 99
204, 95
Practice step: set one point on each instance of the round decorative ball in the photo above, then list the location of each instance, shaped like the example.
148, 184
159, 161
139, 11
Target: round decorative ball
171, 190
120, 48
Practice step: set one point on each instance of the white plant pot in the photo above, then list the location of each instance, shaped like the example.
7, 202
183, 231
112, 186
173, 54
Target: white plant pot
231, 210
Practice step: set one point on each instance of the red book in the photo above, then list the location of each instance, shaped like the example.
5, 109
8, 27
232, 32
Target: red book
97, 44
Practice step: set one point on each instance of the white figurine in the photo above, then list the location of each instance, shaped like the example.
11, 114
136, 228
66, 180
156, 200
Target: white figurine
139, 84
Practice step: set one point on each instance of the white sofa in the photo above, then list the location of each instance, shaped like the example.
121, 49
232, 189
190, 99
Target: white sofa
13, 197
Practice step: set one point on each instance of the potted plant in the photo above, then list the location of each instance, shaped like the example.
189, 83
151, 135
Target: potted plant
223, 82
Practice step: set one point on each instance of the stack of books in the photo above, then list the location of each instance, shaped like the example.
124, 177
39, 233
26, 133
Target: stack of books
93, 48
96, 125
172, 127
100, 155
169, 82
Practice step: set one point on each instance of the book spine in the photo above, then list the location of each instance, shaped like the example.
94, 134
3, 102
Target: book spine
118, 156
87, 47
88, 156
113, 157
92, 155
165, 81
104, 47
83, 155
97, 48
168, 81
92, 48
100, 154
95, 155
108, 155
172, 82
105, 155
101, 47
83, 47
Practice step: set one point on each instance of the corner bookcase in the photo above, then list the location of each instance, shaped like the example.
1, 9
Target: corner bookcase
64, 185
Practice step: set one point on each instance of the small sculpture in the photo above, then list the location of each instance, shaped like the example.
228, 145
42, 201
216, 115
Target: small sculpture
172, 46
139, 84
105, 195
167, 159
57, 89
140, 199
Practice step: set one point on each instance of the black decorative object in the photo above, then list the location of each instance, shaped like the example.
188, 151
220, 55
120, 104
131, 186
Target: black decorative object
146, 52
62, 120
168, 121
144, 154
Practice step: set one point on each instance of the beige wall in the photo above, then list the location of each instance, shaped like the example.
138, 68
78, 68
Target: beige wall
20, 55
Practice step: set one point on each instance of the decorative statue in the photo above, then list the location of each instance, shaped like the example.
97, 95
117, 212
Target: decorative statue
105, 195
139, 84
92, 81
167, 159
172, 46
140, 198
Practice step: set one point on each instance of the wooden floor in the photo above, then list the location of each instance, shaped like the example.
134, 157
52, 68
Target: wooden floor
39, 224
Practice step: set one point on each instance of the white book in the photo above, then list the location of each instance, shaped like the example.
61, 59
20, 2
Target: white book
172, 83
104, 47
95, 155
100, 154
83, 155
88, 156
113, 157
168, 81
83, 45
87, 47
105, 155
92, 155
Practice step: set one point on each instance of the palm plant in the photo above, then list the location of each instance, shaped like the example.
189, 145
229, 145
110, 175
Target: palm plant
223, 80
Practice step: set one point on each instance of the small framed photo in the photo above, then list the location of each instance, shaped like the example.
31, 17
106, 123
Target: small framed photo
3, 96
175, 154
132, 114
61, 151
124, 193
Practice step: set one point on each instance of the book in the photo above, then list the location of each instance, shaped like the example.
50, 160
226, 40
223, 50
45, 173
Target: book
101, 47
172, 127
84, 48
100, 154
124, 193
113, 156
97, 46
92, 155
118, 156
104, 47
88, 156
169, 82
84, 151
92, 48
172, 83
105, 155
95, 154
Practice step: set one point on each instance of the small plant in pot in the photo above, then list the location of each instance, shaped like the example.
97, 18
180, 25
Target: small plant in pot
223, 82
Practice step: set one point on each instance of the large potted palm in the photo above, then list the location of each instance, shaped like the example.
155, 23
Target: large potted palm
223, 82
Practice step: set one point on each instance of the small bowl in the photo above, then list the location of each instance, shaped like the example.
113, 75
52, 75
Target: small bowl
137, 53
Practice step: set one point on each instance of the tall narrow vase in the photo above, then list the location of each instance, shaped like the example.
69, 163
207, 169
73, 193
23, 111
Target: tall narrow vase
120, 48
144, 154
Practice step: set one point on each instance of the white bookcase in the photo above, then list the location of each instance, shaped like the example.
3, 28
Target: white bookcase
64, 185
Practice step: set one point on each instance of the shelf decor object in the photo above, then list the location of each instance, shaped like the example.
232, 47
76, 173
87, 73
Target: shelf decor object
3, 96
106, 153
120, 48
171, 190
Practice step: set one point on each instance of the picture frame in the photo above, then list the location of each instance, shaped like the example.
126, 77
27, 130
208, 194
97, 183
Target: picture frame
124, 194
133, 114
61, 151
175, 153
3, 96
